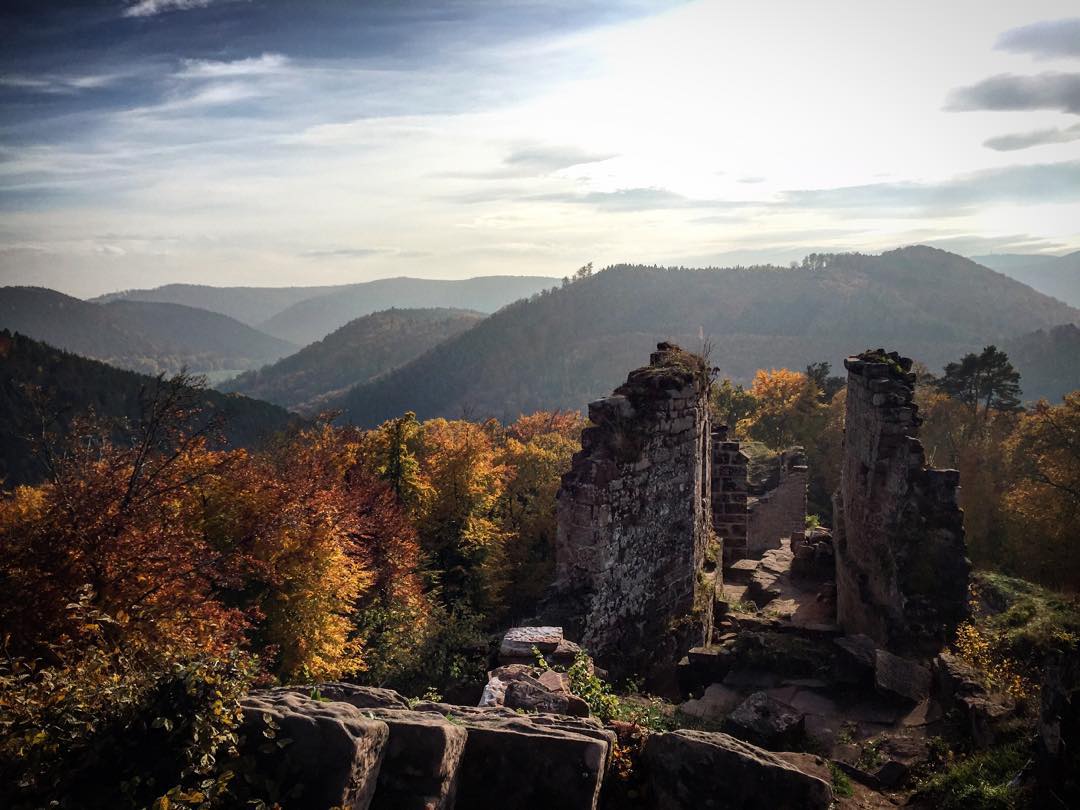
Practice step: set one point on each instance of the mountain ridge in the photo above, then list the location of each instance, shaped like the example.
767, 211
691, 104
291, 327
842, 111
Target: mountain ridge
570, 345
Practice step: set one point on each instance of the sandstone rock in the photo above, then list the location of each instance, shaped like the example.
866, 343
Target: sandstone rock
716, 704
512, 762
901, 677
860, 650
519, 641
765, 721
741, 571
531, 697
689, 770
420, 766
362, 697
334, 754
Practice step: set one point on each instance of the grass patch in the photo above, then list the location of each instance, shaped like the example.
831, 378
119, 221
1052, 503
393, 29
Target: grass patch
841, 782
979, 781
1028, 620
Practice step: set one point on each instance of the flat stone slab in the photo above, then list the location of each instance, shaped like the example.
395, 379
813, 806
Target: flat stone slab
765, 721
902, 677
690, 770
519, 641
740, 571
716, 704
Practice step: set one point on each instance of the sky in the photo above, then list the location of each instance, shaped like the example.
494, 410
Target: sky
278, 142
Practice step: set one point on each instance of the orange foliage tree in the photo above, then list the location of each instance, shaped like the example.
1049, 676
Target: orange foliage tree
787, 408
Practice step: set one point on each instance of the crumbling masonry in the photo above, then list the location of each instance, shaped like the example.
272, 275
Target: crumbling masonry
655, 492
634, 519
901, 574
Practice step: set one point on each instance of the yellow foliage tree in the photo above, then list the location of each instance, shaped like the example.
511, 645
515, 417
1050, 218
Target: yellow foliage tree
788, 409
1044, 455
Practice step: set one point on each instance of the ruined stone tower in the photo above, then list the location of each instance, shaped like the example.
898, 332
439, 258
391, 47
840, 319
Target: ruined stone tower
634, 519
901, 574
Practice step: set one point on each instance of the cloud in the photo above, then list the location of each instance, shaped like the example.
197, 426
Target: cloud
1045, 39
1039, 137
267, 64
58, 83
150, 8
1036, 183
541, 158
1046, 91
634, 199
348, 253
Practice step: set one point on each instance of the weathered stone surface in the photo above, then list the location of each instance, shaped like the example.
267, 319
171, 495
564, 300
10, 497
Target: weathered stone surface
860, 650
690, 770
741, 571
901, 573
420, 765
532, 697
902, 677
765, 721
362, 697
714, 705
765, 581
520, 641
780, 511
512, 762
334, 754
730, 489
634, 518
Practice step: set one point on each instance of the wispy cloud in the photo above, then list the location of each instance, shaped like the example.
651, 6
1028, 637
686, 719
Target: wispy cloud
550, 158
1038, 137
1037, 183
265, 65
150, 8
634, 199
1045, 91
1046, 39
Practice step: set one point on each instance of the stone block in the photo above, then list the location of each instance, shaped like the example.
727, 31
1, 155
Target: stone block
333, 755
689, 770
901, 677
420, 766
766, 721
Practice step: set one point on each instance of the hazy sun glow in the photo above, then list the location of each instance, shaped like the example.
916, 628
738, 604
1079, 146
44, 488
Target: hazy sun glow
180, 146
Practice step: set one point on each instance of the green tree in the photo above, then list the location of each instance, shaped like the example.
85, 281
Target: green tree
731, 403
986, 379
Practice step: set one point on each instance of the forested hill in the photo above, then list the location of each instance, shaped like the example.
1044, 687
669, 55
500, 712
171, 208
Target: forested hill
314, 318
303, 315
353, 354
69, 386
565, 347
146, 337
1057, 276
1049, 361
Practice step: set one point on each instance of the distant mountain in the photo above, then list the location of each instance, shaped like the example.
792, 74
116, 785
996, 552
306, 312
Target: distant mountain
146, 337
353, 354
314, 318
573, 344
250, 305
1048, 361
303, 315
70, 386
1057, 276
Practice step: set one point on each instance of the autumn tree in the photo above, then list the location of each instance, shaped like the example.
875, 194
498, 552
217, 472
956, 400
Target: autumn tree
536, 451
730, 403
1044, 454
788, 408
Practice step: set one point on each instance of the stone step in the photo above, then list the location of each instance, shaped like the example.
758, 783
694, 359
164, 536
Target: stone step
741, 571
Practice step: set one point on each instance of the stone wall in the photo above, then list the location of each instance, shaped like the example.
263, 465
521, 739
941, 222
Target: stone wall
634, 521
901, 573
729, 488
780, 512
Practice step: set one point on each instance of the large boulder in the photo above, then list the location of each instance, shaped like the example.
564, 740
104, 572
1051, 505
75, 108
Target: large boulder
362, 697
530, 697
763, 720
421, 763
316, 754
901, 677
690, 770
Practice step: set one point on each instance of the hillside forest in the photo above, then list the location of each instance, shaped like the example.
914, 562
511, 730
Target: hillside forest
156, 572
